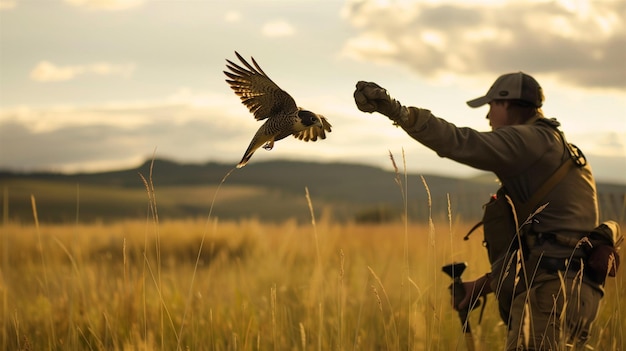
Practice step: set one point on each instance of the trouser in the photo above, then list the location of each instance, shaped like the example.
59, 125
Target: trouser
553, 315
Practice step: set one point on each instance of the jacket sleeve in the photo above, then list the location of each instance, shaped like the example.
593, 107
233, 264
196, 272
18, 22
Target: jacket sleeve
505, 151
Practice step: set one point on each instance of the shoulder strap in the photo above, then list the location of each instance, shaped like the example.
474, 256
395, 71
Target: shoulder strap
524, 209
577, 159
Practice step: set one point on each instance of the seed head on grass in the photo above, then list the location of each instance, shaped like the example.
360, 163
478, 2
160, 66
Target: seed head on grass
380, 303
397, 178
302, 336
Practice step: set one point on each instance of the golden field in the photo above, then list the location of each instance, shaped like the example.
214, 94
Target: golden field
206, 284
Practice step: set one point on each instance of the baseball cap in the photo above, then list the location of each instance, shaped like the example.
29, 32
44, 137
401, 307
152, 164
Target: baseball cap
512, 86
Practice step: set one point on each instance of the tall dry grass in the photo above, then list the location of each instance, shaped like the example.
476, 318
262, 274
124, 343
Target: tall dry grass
258, 286
206, 284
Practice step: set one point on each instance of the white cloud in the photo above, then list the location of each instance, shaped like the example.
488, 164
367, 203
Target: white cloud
7, 4
581, 43
110, 5
609, 144
368, 42
181, 107
46, 71
187, 126
278, 28
232, 16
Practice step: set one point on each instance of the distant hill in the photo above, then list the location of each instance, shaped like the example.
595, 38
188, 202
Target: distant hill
273, 190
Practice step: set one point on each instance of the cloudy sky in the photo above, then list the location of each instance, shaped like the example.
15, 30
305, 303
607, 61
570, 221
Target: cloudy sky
101, 84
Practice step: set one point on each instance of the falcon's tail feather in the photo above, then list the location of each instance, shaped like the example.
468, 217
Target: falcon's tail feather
259, 140
244, 161
247, 155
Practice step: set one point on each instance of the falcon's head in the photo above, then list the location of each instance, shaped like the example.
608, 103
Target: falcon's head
308, 119
309, 126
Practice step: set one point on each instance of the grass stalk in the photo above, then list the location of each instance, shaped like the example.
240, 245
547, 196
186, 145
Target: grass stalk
404, 191
198, 257
318, 275
340, 301
273, 311
314, 225
431, 267
320, 326
157, 280
303, 336
52, 336
5, 266
394, 337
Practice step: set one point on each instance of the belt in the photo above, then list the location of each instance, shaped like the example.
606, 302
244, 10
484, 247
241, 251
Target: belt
534, 238
552, 265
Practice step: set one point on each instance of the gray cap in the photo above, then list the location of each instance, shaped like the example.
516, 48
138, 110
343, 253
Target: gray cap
512, 86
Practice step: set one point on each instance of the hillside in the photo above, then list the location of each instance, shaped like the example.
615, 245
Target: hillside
270, 191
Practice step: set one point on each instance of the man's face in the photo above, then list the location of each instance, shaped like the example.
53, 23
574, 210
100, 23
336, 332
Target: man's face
498, 116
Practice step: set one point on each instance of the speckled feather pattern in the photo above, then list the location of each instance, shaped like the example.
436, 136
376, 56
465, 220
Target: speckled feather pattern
266, 100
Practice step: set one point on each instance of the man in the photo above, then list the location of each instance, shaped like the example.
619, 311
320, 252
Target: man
523, 149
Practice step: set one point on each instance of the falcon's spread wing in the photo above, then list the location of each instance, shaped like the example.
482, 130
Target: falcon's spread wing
266, 100
313, 132
257, 91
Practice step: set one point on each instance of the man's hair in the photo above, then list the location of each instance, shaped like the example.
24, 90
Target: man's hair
521, 110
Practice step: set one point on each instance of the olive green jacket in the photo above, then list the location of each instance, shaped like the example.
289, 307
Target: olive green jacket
523, 157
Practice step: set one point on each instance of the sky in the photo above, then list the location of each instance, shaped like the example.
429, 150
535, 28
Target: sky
92, 85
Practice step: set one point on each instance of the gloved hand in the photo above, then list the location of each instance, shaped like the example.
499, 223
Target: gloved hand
370, 97
473, 291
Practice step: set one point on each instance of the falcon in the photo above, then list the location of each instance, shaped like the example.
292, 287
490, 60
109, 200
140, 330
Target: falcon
267, 101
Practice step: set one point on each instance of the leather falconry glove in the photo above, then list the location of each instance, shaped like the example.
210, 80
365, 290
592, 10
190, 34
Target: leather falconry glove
371, 97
